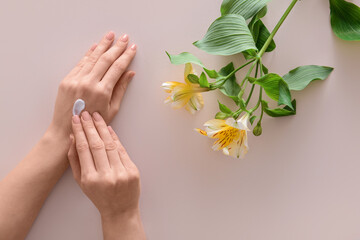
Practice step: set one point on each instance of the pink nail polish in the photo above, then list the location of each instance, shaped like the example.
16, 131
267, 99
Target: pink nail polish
93, 47
110, 35
97, 116
133, 47
76, 119
124, 38
85, 116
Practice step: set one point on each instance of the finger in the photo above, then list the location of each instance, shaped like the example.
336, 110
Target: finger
102, 47
82, 147
80, 65
125, 159
97, 146
110, 144
74, 160
118, 68
109, 57
120, 89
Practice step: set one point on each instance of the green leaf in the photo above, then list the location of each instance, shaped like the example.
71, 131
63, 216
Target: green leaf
212, 73
193, 78
224, 108
345, 20
276, 88
265, 69
245, 8
252, 119
300, 77
184, 58
203, 81
260, 32
262, 35
230, 88
278, 112
284, 94
227, 35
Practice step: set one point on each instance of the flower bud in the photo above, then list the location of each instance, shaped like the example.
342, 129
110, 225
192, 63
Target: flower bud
257, 130
221, 115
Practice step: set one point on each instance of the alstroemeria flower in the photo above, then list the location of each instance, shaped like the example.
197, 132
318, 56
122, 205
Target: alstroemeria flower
231, 135
185, 94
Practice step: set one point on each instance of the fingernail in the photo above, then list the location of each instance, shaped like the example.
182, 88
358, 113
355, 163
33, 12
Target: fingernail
110, 129
97, 116
132, 74
124, 38
133, 47
93, 47
76, 119
110, 35
85, 116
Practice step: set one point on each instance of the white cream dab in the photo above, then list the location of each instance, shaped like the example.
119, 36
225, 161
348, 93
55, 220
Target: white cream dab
79, 105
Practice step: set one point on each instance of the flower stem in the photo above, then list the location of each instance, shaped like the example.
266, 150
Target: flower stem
278, 25
233, 72
253, 86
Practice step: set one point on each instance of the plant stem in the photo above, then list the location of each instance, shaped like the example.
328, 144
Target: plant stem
253, 86
249, 72
233, 72
278, 25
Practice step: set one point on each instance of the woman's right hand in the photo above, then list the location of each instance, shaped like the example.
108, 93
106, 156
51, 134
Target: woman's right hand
106, 175
100, 79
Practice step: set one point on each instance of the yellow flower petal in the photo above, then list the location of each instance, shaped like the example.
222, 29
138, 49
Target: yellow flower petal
202, 132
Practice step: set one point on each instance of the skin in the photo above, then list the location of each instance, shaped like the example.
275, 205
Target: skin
100, 79
106, 174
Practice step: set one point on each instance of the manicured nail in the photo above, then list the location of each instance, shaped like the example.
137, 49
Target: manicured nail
85, 116
76, 119
111, 130
132, 74
93, 47
97, 116
133, 47
110, 35
124, 38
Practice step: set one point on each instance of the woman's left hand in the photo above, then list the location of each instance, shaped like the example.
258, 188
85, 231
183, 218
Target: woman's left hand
100, 79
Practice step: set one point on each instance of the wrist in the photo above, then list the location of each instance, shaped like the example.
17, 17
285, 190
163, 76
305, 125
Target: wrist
126, 225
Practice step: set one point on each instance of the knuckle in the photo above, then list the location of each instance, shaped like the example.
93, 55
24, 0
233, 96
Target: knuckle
120, 66
107, 58
110, 146
122, 150
101, 92
97, 145
109, 181
82, 146
88, 180
133, 176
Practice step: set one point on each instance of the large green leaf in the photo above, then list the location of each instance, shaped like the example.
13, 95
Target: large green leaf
279, 112
227, 35
345, 20
184, 58
300, 77
260, 32
231, 88
276, 88
245, 8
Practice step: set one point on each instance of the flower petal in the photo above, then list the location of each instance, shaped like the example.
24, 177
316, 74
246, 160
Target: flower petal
202, 132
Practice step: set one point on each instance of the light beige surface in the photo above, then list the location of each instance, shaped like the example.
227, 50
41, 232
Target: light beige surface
301, 177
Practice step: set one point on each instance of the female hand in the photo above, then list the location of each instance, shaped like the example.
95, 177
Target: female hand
102, 167
100, 79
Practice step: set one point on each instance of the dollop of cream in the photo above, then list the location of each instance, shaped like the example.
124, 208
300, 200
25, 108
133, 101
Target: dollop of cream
79, 105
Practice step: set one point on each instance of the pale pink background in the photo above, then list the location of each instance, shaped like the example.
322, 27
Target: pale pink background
300, 179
